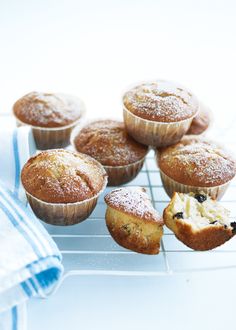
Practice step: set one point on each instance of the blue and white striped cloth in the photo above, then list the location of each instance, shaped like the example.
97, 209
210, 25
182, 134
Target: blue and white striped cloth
30, 263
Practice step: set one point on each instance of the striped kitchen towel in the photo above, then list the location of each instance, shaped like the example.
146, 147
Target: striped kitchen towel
30, 262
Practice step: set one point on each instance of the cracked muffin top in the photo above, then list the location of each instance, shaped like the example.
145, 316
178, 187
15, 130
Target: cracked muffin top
161, 101
197, 162
61, 176
108, 142
48, 110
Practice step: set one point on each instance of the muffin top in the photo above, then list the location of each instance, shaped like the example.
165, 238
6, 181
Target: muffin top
108, 142
61, 176
134, 201
161, 101
48, 110
200, 123
197, 162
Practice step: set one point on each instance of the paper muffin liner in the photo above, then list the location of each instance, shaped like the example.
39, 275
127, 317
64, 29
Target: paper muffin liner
118, 175
64, 214
172, 186
52, 137
154, 133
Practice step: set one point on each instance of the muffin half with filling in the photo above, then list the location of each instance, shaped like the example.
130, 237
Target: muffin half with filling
198, 221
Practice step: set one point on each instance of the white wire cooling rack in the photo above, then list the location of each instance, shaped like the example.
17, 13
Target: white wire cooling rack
87, 248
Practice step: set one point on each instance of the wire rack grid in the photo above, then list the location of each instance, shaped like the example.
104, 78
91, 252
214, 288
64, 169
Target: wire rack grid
88, 248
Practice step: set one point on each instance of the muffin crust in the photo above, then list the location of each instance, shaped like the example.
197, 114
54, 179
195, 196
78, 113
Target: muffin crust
197, 162
48, 110
200, 123
132, 221
161, 101
60, 176
108, 142
198, 221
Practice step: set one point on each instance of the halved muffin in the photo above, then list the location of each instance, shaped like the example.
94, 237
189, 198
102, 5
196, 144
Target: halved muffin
198, 221
132, 221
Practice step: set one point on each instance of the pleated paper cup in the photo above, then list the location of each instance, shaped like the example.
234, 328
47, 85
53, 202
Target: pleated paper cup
118, 175
154, 133
64, 214
172, 186
52, 137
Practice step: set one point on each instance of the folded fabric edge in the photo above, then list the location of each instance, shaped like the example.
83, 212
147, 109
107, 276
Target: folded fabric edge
42, 277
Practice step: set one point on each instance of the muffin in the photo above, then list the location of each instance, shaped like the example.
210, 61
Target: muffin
132, 221
158, 113
200, 122
62, 187
195, 164
108, 142
198, 221
51, 116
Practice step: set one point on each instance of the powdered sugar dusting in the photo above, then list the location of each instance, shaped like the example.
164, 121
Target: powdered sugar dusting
200, 161
62, 176
108, 142
48, 110
161, 101
133, 200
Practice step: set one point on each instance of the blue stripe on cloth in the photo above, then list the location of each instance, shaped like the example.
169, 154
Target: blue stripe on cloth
17, 224
32, 282
14, 318
26, 288
33, 221
42, 279
17, 161
48, 276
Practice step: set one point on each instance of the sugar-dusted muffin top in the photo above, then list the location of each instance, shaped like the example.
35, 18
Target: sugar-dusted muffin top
61, 176
161, 101
134, 201
108, 142
197, 162
48, 110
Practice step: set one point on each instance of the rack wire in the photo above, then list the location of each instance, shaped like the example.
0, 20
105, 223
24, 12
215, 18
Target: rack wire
88, 248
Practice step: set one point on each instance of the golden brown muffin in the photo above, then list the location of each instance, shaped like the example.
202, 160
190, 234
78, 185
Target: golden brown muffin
47, 110
198, 221
197, 162
60, 176
200, 123
132, 221
108, 142
161, 101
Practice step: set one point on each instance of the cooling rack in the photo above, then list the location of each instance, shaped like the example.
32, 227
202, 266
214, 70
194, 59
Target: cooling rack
88, 249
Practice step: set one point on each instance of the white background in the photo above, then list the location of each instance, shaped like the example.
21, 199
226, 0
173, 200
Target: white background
95, 49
